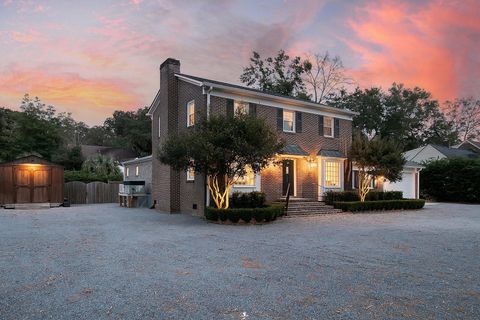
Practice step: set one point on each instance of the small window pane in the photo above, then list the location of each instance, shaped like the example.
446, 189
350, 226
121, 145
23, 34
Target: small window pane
190, 113
137, 171
248, 179
240, 107
159, 131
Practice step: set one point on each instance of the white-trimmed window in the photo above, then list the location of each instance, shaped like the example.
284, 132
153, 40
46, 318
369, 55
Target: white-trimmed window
159, 131
137, 171
248, 180
191, 113
191, 173
328, 127
127, 171
288, 121
240, 107
356, 180
332, 174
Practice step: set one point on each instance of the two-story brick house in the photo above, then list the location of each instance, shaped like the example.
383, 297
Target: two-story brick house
313, 161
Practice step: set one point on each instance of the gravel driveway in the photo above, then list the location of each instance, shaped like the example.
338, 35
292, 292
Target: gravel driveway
106, 262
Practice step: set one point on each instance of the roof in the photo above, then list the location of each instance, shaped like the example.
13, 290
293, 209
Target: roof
293, 150
412, 164
271, 95
138, 160
330, 153
33, 158
475, 144
453, 152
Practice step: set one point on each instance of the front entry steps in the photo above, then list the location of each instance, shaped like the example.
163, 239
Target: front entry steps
306, 207
29, 206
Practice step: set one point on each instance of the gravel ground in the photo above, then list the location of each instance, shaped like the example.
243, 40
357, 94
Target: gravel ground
106, 262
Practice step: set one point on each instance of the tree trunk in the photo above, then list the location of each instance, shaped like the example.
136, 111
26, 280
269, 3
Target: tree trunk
364, 185
219, 188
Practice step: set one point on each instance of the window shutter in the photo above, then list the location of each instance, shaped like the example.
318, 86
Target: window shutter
298, 122
252, 109
320, 125
280, 119
229, 108
336, 131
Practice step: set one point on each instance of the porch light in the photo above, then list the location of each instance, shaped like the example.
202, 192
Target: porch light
312, 163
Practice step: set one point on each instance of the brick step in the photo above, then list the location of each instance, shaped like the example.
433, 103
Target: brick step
306, 205
313, 213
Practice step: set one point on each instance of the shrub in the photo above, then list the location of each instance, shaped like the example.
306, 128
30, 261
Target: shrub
83, 176
352, 195
404, 204
267, 213
247, 199
454, 179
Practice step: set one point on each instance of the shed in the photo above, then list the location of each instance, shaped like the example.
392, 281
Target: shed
31, 179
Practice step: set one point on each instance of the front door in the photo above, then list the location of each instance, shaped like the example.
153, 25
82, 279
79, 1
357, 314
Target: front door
32, 184
288, 177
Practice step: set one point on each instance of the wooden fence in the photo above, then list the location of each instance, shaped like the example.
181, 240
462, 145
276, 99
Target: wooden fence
93, 192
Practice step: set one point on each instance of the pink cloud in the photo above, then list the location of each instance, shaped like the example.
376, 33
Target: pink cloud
419, 45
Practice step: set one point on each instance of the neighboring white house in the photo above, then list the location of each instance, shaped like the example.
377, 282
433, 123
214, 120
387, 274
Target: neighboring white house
139, 169
436, 152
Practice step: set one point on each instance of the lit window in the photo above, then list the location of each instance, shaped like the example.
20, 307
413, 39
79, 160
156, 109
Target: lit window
332, 173
191, 172
127, 173
248, 179
328, 127
288, 121
137, 171
240, 107
191, 113
159, 131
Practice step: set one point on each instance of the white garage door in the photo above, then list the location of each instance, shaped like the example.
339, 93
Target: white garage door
406, 185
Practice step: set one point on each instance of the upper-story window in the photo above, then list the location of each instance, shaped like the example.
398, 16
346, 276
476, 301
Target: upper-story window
159, 132
288, 121
191, 113
137, 171
240, 107
127, 172
327, 127
191, 174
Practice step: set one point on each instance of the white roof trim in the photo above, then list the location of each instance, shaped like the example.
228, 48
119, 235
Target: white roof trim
469, 142
272, 103
138, 160
154, 104
189, 80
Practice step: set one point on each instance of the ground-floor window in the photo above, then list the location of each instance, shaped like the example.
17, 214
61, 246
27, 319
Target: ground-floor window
356, 180
246, 180
332, 173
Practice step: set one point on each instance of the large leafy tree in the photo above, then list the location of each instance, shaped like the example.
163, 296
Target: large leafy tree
409, 116
375, 158
280, 74
222, 148
130, 128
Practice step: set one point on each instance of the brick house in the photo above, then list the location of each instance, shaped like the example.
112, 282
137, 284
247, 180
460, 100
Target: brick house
313, 161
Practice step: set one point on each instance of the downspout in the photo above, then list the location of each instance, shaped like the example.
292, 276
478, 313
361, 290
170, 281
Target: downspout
207, 193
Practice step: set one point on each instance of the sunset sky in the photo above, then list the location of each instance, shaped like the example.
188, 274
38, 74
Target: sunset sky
93, 57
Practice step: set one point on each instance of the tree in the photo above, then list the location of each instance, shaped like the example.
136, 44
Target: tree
278, 74
375, 158
324, 75
132, 129
409, 116
222, 148
101, 165
464, 113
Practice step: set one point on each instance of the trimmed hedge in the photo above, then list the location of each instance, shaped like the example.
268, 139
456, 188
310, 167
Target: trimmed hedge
83, 176
352, 195
452, 180
405, 204
266, 213
252, 199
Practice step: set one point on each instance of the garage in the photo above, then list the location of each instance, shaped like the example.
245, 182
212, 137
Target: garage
31, 180
409, 184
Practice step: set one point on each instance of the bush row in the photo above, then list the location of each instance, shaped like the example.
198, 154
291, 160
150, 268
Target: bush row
451, 179
247, 200
83, 176
379, 205
266, 213
352, 195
